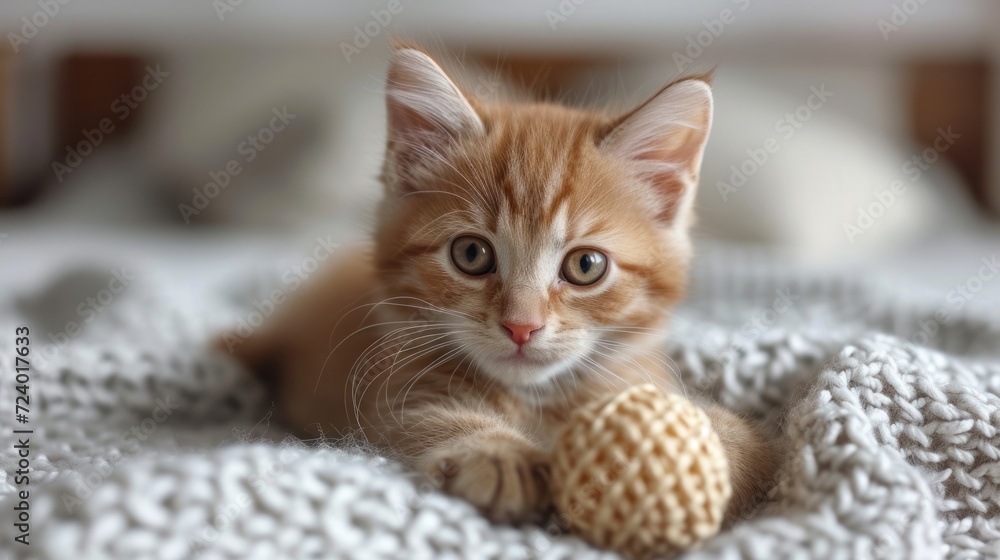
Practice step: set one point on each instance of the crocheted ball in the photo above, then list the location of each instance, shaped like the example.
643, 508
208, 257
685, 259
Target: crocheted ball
641, 473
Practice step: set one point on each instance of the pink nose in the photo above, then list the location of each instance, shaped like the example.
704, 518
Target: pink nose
521, 333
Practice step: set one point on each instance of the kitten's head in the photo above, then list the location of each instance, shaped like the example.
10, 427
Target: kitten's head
530, 233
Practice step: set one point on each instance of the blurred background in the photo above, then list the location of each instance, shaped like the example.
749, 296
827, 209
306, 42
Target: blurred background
202, 130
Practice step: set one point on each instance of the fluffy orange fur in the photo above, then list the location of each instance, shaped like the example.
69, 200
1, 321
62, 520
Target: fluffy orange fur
398, 342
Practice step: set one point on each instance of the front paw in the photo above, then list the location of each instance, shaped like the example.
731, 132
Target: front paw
508, 480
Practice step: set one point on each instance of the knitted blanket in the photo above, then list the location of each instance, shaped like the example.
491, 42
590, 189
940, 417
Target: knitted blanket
144, 444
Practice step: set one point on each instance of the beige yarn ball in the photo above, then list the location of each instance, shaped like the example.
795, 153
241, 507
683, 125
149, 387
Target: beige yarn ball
642, 473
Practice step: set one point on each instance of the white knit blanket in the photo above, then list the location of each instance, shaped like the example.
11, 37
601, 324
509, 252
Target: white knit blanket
145, 445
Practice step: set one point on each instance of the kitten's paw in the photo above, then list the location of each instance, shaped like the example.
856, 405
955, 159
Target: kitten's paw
506, 479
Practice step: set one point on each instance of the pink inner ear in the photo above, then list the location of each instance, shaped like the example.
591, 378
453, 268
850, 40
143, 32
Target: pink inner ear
410, 127
414, 137
670, 186
664, 138
666, 153
667, 163
676, 145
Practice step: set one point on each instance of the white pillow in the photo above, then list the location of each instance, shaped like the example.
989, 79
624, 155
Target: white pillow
831, 188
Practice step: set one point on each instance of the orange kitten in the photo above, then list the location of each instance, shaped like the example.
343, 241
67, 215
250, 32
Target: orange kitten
525, 261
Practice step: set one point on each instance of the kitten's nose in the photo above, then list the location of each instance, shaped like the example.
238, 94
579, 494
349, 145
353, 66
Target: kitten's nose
521, 333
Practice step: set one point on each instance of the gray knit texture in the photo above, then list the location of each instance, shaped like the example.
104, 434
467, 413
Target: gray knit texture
892, 437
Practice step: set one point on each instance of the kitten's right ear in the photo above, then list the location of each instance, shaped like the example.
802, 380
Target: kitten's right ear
426, 110
664, 139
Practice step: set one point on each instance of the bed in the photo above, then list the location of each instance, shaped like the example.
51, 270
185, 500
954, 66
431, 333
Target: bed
146, 443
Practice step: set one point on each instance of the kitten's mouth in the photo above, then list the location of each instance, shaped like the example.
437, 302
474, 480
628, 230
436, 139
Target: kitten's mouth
518, 357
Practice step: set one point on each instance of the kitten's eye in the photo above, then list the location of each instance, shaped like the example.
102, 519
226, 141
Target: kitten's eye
473, 255
584, 267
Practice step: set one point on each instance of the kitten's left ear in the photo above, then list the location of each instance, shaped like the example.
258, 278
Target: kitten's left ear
663, 139
426, 111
